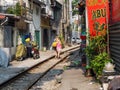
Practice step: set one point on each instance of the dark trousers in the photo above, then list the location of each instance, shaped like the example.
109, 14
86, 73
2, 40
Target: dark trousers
29, 52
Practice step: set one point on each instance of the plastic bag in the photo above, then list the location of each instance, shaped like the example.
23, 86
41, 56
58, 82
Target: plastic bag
54, 44
109, 67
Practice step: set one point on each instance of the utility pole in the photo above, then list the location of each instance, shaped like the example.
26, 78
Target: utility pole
70, 13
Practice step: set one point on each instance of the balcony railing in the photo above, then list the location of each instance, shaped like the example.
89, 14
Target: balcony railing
26, 13
3, 9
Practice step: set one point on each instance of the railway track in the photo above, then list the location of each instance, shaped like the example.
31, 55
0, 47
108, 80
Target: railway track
26, 79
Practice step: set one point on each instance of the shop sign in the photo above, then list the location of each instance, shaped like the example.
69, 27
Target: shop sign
97, 11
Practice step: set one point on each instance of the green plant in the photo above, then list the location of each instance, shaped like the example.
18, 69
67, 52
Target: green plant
96, 53
100, 43
74, 12
74, 5
10, 10
96, 46
87, 67
90, 51
98, 63
17, 10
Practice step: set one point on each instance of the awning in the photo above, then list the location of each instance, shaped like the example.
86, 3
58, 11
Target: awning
2, 17
45, 22
38, 2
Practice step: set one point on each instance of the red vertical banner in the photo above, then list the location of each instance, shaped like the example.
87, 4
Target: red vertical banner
98, 12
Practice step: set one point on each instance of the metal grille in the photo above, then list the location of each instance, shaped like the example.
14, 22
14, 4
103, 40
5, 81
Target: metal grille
114, 35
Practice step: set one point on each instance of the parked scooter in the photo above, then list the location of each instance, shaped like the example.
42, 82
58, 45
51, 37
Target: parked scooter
35, 51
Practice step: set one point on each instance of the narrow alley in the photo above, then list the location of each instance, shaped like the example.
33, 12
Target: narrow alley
59, 44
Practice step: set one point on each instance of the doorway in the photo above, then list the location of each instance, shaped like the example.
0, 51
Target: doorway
37, 38
45, 38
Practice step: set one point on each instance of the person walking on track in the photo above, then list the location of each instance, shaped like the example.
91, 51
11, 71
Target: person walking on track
58, 47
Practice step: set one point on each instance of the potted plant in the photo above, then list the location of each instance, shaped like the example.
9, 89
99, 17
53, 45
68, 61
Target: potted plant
98, 63
88, 71
96, 49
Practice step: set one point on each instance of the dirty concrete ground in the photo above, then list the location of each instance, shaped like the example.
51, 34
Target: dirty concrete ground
71, 74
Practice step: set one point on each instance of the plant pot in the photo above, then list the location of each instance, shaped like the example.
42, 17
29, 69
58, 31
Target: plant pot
89, 72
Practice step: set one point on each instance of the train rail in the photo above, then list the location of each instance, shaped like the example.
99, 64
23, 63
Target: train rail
26, 79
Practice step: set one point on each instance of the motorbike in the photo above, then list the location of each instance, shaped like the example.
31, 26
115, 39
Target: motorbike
35, 52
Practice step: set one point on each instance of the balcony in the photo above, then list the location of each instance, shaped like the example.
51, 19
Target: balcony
27, 14
3, 9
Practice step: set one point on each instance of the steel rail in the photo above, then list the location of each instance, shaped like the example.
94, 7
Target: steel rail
22, 74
